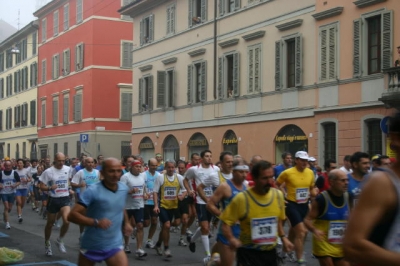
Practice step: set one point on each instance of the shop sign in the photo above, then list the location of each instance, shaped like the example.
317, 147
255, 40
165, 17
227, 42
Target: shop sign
197, 142
146, 146
290, 138
229, 141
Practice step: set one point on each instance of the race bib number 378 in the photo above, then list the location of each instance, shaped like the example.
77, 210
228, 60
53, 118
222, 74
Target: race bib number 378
264, 230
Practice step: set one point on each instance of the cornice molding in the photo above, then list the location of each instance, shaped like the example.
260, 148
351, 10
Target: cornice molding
254, 35
289, 25
365, 3
229, 43
197, 52
146, 68
170, 60
328, 13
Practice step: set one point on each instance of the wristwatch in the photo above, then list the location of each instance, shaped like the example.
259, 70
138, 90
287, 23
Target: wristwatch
95, 223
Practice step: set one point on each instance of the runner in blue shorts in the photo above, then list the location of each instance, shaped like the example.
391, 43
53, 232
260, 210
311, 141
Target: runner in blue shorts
9, 181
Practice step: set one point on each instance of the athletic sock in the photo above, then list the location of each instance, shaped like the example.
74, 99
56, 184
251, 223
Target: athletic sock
166, 247
182, 237
196, 235
206, 244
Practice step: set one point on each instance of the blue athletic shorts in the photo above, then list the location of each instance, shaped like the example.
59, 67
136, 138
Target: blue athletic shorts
296, 212
137, 214
8, 197
166, 215
99, 256
236, 232
202, 213
55, 204
22, 192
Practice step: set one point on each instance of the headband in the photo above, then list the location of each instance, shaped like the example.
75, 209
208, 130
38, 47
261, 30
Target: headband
136, 163
241, 167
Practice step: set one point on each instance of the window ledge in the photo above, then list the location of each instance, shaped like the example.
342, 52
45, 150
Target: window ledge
146, 68
328, 13
365, 3
229, 43
289, 25
254, 35
197, 52
170, 60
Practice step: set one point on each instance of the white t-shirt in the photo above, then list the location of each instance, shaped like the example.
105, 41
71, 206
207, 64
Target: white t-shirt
135, 200
24, 175
59, 177
89, 178
160, 181
213, 179
345, 170
198, 173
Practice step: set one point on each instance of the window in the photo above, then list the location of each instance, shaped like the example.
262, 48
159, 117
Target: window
146, 94
44, 29
24, 115
1, 88
66, 67
17, 81
66, 110
147, 30
127, 55
9, 85
34, 43
373, 42
228, 76
126, 106
17, 151
328, 52
1, 62
55, 149
43, 71
23, 149
55, 111
33, 75
78, 107
197, 12
126, 149
8, 150
374, 137
165, 88
66, 17
288, 62
78, 149
17, 116
66, 148
9, 58
43, 114
24, 49
1, 120
197, 82
228, 6
171, 19
55, 70
55, 23
33, 112
254, 68
9, 118
329, 140
24, 78
79, 11
79, 55
18, 55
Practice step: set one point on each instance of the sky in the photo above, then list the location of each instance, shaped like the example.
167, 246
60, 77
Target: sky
9, 11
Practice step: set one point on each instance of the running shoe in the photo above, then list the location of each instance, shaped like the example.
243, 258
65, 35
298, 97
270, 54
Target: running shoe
8, 227
48, 250
167, 253
192, 247
140, 253
158, 250
206, 260
301, 262
149, 243
188, 232
20, 219
182, 243
60, 245
292, 256
37, 210
127, 249
57, 224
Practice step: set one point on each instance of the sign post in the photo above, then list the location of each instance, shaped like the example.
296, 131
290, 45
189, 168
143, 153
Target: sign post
84, 138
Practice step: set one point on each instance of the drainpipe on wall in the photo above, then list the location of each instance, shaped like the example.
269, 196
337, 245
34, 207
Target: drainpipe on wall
215, 49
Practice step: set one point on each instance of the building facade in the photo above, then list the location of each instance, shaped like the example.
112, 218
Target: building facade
261, 77
85, 78
18, 93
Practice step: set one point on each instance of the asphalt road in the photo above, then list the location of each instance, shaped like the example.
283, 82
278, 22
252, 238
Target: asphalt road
29, 238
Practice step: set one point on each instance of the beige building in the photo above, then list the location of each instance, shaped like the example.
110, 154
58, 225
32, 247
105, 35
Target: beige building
260, 77
18, 94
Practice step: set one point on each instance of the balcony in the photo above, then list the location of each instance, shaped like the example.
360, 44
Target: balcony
391, 97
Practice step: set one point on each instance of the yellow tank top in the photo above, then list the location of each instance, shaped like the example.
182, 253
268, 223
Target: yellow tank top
169, 193
221, 178
259, 226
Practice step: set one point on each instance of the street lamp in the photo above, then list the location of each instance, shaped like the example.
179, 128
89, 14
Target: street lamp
15, 50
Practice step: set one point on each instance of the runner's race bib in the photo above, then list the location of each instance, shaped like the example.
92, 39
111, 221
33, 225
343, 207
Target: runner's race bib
170, 193
302, 195
264, 230
150, 192
336, 232
208, 191
62, 186
139, 193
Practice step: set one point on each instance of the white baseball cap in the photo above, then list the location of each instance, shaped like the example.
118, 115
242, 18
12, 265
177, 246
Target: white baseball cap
302, 155
311, 159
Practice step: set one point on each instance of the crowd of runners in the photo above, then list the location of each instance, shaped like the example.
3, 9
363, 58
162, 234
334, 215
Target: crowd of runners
352, 212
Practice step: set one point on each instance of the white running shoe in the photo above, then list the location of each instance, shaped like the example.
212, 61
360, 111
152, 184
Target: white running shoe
47, 247
8, 226
167, 253
60, 245
140, 253
149, 243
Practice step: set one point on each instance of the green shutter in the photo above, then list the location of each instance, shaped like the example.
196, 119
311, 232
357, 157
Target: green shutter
150, 92
237, 4
125, 54
236, 74
190, 13
173, 90
172, 18
65, 110
141, 32
332, 52
357, 48
203, 10
55, 113
299, 61
79, 109
161, 83
82, 55
257, 68
203, 81
140, 98
221, 78
33, 112
151, 28
189, 84
324, 55
168, 20
124, 106
221, 7
387, 38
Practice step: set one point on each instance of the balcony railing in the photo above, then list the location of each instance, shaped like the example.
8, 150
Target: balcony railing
391, 97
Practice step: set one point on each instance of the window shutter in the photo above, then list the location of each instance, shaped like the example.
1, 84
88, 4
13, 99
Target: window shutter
57, 66
190, 13
25, 114
189, 84
22, 79
173, 89
52, 68
203, 10
237, 4
332, 52
221, 7
141, 32
250, 56
220, 77
124, 106
76, 58
257, 68
161, 89
125, 54
55, 113
33, 113
129, 106
387, 38
75, 107
130, 55
36, 74
324, 51
203, 81
357, 48
140, 98
79, 107
168, 20
150, 92
236, 74
1, 120
82, 54
43, 115
15, 82
299, 61
1, 88
151, 28
172, 18
65, 110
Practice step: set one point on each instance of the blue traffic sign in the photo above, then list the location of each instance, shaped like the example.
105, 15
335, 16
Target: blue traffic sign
384, 124
84, 138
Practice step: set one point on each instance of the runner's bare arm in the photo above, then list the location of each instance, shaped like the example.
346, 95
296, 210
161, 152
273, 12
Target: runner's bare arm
200, 190
311, 216
187, 186
218, 195
377, 198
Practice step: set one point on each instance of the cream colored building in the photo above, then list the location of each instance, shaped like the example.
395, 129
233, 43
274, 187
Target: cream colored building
18, 94
255, 77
